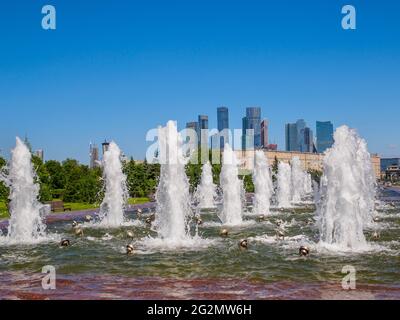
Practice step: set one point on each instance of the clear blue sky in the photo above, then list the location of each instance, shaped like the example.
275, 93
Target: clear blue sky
114, 69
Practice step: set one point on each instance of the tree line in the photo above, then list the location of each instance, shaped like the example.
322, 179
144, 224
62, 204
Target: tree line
71, 181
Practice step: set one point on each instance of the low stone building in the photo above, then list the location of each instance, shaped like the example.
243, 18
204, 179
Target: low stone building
310, 161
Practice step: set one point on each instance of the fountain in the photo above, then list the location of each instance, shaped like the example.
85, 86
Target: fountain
25, 224
308, 185
348, 193
173, 198
206, 191
232, 188
116, 193
297, 180
262, 184
284, 185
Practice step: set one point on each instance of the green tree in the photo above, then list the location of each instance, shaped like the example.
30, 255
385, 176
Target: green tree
4, 191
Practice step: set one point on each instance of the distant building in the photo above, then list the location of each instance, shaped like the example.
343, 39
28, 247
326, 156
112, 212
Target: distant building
192, 125
264, 133
324, 135
94, 156
223, 125
299, 137
272, 147
40, 154
291, 137
252, 128
387, 162
105, 146
307, 144
203, 130
392, 173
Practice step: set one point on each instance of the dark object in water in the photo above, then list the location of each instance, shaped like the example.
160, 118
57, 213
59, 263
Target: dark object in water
129, 249
243, 244
65, 243
304, 251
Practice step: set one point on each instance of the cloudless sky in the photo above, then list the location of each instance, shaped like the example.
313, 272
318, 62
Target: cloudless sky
115, 69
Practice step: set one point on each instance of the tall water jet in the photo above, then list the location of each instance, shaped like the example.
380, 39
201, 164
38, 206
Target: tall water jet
308, 184
297, 180
348, 192
116, 193
172, 196
284, 185
25, 224
262, 184
206, 191
232, 188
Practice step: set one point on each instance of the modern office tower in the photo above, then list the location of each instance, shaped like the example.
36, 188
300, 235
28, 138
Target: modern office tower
264, 133
299, 137
307, 144
324, 135
40, 154
203, 130
94, 156
291, 137
105, 146
192, 125
252, 129
223, 125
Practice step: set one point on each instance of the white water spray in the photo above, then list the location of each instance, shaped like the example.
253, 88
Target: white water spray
262, 184
25, 224
116, 193
173, 198
297, 180
206, 191
284, 185
348, 193
232, 188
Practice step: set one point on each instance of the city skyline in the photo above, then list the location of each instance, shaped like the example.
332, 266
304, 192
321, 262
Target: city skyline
148, 64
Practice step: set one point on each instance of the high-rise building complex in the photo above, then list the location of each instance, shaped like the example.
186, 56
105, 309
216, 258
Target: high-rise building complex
94, 156
105, 146
324, 135
299, 137
252, 128
203, 130
223, 125
264, 133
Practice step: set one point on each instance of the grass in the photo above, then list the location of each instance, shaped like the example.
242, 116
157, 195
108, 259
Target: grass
138, 200
74, 206
3, 211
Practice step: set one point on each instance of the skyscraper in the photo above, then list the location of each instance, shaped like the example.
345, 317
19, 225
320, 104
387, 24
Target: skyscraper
252, 128
299, 137
40, 154
203, 130
192, 125
105, 146
324, 135
264, 133
94, 156
223, 125
291, 137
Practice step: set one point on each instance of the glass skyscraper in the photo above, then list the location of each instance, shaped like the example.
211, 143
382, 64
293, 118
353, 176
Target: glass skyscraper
299, 137
252, 128
203, 130
223, 125
324, 135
